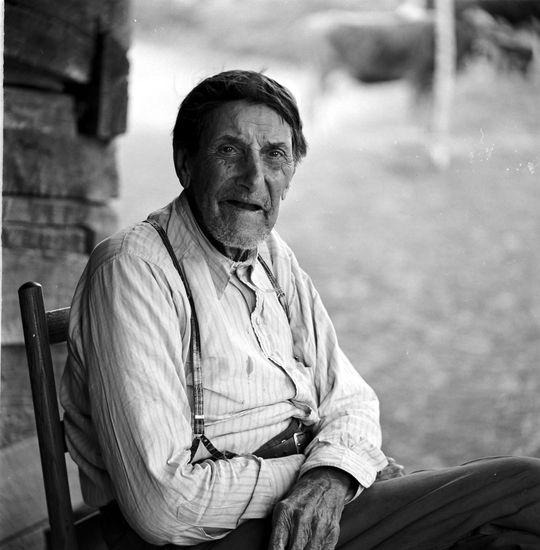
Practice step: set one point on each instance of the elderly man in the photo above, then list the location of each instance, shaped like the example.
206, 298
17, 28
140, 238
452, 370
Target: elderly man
208, 404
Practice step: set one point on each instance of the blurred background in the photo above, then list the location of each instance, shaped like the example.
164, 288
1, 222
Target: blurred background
430, 272
416, 211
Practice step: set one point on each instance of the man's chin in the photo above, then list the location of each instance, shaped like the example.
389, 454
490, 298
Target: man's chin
243, 243
241, 238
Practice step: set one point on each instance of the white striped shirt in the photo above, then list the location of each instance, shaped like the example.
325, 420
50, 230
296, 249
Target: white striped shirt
127, 391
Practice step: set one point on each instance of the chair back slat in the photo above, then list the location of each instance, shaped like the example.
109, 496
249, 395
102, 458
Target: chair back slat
49, 428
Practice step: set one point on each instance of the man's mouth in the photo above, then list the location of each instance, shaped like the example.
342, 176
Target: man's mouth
244, 205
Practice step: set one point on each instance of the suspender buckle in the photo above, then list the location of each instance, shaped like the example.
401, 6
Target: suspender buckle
198, 425
297, 443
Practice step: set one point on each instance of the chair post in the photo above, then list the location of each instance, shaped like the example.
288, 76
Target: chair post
49, 431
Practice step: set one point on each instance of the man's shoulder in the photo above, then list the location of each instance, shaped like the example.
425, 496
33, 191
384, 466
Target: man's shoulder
138, 242
136, 239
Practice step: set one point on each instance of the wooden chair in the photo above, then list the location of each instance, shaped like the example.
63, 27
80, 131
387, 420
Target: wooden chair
69, 529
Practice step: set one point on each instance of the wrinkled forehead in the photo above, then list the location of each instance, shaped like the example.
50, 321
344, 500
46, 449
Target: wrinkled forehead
246, 122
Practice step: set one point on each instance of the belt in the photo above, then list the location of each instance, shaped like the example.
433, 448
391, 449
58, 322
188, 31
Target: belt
293, 440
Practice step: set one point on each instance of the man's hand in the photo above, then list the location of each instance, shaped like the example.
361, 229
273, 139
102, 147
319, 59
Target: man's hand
391, 470
308, 517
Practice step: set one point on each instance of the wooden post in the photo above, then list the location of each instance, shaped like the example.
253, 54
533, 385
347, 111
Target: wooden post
65, 101
444, 82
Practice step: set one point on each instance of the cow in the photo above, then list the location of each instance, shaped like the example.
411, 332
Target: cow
374, 47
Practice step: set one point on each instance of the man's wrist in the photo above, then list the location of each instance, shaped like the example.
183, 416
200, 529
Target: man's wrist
336, 478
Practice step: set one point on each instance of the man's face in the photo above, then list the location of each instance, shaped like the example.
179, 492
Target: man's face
239, 175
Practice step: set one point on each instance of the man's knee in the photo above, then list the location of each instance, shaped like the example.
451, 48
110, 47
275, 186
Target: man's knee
522, 470
526, 468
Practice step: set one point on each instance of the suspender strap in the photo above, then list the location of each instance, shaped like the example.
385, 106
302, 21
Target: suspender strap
195, 357
280, 294
195, 343
195, 347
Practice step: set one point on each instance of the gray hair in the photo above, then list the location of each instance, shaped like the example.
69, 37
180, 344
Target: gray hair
237, 85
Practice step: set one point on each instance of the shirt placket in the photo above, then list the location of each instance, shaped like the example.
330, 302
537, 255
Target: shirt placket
256, 316
264, 324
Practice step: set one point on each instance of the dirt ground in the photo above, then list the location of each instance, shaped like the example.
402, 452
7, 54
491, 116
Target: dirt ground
432, 277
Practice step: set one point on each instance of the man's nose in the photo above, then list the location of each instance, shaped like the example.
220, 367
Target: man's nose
253, 170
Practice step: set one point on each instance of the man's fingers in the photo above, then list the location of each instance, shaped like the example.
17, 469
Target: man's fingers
278, 539
302, 529
280, 529
323, 535
308, 518
290, 529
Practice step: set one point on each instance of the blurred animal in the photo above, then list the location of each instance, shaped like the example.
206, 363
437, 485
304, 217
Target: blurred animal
517, 13
381, 46
508, 31
508, 49
374, 47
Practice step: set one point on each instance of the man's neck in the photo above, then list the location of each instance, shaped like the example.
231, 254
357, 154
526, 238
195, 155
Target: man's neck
235, 254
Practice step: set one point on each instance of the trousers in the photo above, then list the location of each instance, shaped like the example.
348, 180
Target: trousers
489, 503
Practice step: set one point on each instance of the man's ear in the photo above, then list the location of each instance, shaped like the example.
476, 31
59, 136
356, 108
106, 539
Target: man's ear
286, 188
182, 167
285, 191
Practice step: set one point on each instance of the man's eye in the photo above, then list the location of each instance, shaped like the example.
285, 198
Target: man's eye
227, 149
276, 153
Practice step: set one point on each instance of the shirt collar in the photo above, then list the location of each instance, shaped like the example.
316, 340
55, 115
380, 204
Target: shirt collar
220, 266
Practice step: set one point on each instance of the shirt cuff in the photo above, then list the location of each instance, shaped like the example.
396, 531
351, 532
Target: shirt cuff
363, 466
276, 477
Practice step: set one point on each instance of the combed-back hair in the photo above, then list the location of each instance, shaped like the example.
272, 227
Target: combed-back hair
251, 86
